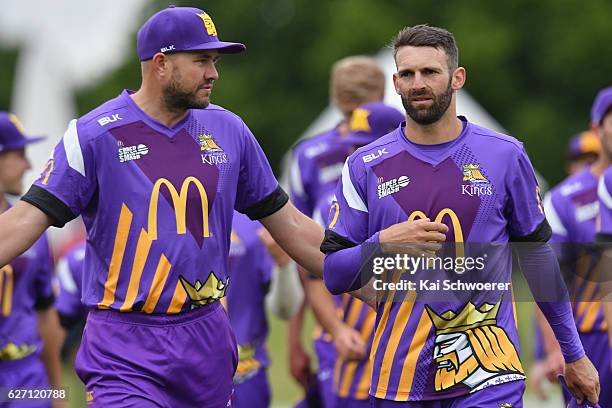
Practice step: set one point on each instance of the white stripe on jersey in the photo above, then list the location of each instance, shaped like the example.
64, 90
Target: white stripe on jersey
552, 217
73, 148
296, 178
603, 193
65, 277
348, 191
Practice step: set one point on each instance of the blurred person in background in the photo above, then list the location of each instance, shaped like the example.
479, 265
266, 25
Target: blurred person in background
446, 353
315, 170
352, 326
29, 327
571, 209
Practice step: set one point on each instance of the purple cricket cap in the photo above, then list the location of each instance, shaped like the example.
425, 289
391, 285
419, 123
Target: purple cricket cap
581, 143
602, 104
12, 134
371, 121
573, 403
177, 29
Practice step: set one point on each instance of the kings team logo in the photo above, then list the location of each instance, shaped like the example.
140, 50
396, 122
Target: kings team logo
212, 153
471, 349
475, 183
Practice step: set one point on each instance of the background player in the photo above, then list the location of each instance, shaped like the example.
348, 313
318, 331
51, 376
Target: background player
29, 325
426, 353
316, 167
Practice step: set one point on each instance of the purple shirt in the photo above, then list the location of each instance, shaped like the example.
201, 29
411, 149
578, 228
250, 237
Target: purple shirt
316, 168
482, 186
604, 192
250, 268
157, 202
25, 287
69, 272
572, 209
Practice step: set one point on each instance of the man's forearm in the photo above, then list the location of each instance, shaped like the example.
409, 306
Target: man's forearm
20, 227
541, 269
322, 305
52, 338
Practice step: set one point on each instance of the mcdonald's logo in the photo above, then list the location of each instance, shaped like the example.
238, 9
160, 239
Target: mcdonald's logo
6, 290
47, 170
336, 211
415, 215
179, 201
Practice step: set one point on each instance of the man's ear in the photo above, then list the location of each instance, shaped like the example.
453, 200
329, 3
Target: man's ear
458, 79
160, 64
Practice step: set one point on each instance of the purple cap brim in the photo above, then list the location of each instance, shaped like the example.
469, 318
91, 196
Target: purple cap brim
223, 47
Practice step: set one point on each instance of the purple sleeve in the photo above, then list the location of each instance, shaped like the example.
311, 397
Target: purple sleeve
298, 183
346, 242
258, 193
525, 211
541, 269
68, 180
68, 272
44, 274
604, 190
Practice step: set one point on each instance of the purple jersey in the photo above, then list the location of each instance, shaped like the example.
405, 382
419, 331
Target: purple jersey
69, 277
604, 193
316, 168
483, 187
351, 377
25, 286
157, 202
250, 268
571, 209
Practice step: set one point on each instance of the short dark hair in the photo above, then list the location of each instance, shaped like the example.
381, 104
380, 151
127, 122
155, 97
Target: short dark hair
423, 35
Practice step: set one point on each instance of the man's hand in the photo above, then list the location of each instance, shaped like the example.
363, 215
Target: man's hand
553, 365
299, 365
348, 343
537, 379
582, 380
426, 234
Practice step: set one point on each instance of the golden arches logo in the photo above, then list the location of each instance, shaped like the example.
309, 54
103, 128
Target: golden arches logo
336, 209
179, 201
459, 252
46, 171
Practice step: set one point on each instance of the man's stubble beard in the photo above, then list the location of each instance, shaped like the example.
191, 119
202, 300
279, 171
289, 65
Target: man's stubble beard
177, 99
432, 114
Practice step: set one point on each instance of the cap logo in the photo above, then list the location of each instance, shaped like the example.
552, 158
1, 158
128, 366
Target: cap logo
208, 23
16, 123
359, 121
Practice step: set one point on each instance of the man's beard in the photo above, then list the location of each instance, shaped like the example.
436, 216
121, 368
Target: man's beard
178, 99
430, 115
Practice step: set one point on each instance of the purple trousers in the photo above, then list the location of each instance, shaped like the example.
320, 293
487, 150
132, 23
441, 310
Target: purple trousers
139, 360
25, 373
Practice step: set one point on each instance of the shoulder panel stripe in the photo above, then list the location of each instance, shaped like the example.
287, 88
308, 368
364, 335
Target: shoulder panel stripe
553, 217
72, 147
65, 277
348, 190
603, 193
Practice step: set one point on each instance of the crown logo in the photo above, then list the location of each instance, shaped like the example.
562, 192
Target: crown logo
469, 317
201, 294
359, 121
208, 144
208, 24
471, 172
11, 351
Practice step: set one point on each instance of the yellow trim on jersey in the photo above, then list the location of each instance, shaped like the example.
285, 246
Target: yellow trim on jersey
409, 369
6, 295
121, 238
140, 259
178, 299
159, 281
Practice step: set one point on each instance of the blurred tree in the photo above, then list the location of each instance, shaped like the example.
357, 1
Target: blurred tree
535, 66
7, 73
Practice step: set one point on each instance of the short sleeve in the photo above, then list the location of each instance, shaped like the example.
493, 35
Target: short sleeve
69, 272
604, 189
68, 180
347, 223
525, 209
258, 192
44, 275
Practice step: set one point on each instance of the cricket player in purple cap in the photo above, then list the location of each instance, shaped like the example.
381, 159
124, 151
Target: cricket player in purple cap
478, 186
352, 329
572, 209
29, 345
156, 175
316, 167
